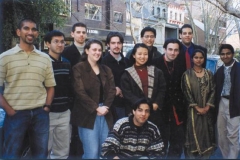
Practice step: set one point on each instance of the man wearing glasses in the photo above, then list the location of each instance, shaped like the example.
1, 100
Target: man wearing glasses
148, 35
227, 103
59, 126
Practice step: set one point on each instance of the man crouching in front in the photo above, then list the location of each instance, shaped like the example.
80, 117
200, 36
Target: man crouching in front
134, 136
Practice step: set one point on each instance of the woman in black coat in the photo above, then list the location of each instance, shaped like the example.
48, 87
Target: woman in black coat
143, 80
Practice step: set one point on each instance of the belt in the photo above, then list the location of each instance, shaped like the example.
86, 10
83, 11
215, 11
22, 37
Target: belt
227, 97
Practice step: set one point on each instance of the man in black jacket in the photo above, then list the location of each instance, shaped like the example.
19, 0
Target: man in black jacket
186, 34
114, 59
174, 108
227, 103
148, 35
74, 52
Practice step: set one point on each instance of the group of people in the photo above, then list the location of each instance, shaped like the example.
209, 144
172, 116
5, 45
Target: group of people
73, 101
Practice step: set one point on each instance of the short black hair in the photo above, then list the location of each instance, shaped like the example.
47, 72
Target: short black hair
48, 37
20, 24
134, 50
140, 101
114, 34
148, 29
171, 40
185, 26
226, 46
88, 45
79, 24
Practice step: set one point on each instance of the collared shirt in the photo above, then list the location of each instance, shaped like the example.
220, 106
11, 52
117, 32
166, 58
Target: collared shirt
190, 51
227, 80
25, 77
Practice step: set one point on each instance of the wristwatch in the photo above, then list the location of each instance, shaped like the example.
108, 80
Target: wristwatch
47, 105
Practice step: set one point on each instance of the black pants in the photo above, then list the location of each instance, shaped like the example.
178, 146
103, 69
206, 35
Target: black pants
173, 138
76, 148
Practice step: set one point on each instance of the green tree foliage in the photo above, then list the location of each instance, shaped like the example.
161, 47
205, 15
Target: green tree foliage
44, 12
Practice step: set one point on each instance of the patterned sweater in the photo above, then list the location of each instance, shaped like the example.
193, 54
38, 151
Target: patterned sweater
129, 141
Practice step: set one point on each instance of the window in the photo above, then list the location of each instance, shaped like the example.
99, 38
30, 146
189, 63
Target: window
66, 10
117, 17
158, 11
164, 13
93, 12
152, 10
175, 16
170, 14
180, 17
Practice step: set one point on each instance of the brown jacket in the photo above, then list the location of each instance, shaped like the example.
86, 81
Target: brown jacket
87, 90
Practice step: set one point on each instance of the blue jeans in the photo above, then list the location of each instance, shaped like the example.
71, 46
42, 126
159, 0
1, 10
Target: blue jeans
36, 123
92, 139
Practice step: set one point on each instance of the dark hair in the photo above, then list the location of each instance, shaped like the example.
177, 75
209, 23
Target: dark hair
20, 24
226, 46
185, 26
79, 24
203, 54
140, 101
171, 40
134, 50
48, 37
114, 34
88, 45
148, 29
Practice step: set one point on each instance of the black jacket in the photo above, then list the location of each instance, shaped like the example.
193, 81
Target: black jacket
234, 101
182, 58
72, 54
173, 95
117, 70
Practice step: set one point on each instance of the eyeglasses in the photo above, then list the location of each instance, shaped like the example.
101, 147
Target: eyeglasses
149, 36
59, 42
225, 54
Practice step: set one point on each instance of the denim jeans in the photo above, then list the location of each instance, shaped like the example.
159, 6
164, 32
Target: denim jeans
36, 123
93, 139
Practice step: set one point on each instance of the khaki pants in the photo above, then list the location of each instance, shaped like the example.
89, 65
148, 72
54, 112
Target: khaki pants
228, 131
59, 135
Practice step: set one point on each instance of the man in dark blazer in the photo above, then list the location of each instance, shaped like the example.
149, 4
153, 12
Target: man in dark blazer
74, 52
186, 34
227, 103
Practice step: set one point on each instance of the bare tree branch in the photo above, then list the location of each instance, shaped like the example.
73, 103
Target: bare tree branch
226, 7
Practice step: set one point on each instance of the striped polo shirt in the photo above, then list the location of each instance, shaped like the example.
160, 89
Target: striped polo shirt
25, 77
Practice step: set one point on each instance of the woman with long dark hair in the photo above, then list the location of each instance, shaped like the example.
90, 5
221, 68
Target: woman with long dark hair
199, 90
95, 91
144, 80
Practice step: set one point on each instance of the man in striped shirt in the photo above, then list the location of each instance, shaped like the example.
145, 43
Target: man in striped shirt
27, 76
59, 130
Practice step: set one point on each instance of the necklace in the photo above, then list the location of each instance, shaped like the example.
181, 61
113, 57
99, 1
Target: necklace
198, 71
170, 69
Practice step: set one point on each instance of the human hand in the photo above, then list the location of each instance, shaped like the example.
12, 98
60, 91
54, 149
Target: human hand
116, 157
102, 111
11, 112
155, 106
119, 92
200, 111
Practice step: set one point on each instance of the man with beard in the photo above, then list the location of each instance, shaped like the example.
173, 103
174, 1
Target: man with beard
59, 129
74, 52
29, 82
148, 35
114, 59
174, 108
